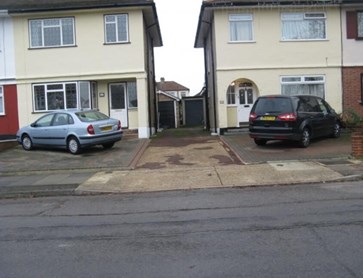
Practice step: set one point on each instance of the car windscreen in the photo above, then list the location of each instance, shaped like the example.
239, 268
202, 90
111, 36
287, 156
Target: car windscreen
91, 116
273, 105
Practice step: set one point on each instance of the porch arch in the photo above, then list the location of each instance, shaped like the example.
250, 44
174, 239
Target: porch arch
241, 94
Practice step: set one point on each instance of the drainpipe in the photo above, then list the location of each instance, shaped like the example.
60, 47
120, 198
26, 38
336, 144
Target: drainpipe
214, 84
341, 56
206, 93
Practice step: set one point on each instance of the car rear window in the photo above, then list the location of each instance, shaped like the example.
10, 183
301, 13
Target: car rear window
273, 105
91, 116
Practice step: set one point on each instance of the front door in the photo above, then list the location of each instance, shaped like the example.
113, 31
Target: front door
118, 103
246, 97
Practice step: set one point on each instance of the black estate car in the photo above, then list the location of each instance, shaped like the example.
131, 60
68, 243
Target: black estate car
299, 118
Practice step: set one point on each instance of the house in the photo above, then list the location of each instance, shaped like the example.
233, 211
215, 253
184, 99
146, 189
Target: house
172, 88
86, 54
260, 47
352, 41
170, 110
8, 97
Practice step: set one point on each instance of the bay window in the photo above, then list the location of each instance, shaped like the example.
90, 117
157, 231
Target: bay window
303, 85
59, 96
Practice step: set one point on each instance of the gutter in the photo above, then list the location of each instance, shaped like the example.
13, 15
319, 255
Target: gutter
77, 7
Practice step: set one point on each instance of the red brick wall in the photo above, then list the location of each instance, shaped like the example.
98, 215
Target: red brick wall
9, 123
352, 89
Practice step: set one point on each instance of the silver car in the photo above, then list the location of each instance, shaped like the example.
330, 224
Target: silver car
72, 130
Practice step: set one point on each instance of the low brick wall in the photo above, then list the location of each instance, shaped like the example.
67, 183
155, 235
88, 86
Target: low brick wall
357, 144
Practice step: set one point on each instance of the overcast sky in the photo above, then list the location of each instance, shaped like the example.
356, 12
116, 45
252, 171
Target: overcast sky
177, 60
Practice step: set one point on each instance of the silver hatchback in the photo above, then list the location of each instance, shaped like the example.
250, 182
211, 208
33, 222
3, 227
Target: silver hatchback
72, 130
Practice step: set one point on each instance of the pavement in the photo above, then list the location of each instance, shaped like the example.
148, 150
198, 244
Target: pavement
179, 159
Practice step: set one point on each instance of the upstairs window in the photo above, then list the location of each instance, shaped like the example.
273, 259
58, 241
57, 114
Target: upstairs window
116, 28
54, 32
355, 25
240, 27
303, 26
2, 110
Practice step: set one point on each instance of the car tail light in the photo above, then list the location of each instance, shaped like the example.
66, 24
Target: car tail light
253, 116
119, 125
287, 117
90, 129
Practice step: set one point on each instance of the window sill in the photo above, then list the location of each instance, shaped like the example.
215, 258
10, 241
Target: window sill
116, 43
313, 40
241, 42
51, 47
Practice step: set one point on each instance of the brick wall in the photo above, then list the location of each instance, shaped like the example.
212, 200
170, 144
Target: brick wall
352, 89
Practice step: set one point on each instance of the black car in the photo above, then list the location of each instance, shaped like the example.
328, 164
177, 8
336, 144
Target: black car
299, 118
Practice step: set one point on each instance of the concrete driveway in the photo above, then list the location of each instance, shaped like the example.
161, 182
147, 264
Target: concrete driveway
169, 149
121, 156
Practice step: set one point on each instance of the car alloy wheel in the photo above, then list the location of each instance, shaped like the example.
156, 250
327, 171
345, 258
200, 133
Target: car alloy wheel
336, 131
73, 145
27, 143
305, 138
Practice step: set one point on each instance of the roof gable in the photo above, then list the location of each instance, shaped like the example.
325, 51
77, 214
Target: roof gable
168, 86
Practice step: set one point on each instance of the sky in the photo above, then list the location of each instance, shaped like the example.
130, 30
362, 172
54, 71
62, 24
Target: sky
177, 60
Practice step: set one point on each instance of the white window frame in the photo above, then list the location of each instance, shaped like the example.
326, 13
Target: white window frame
360, 24
43, 27
2, 102
241, 18
116, 27
61, 90
303, 17
231, 96
304, 80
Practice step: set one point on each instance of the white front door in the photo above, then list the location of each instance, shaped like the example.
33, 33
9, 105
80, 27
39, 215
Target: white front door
118, 103
246, 98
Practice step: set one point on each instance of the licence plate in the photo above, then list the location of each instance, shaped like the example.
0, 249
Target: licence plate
106, 128
268, 118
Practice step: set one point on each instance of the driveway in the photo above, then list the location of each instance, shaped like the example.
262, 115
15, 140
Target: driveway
121, 156
170, 149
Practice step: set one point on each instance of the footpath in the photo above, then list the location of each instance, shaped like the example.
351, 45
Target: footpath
175, 160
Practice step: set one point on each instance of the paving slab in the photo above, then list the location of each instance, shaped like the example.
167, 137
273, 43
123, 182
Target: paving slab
208, 177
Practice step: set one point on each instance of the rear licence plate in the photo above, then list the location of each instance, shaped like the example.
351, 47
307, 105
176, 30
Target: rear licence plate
268, 118
106, 128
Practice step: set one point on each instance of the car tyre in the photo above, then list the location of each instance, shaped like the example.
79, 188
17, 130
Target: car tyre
108, 145
73, 145
305, 138
336, 131
26, 142
260, 142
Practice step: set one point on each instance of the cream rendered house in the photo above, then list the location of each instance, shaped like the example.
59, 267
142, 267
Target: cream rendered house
254, 48
86, 54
